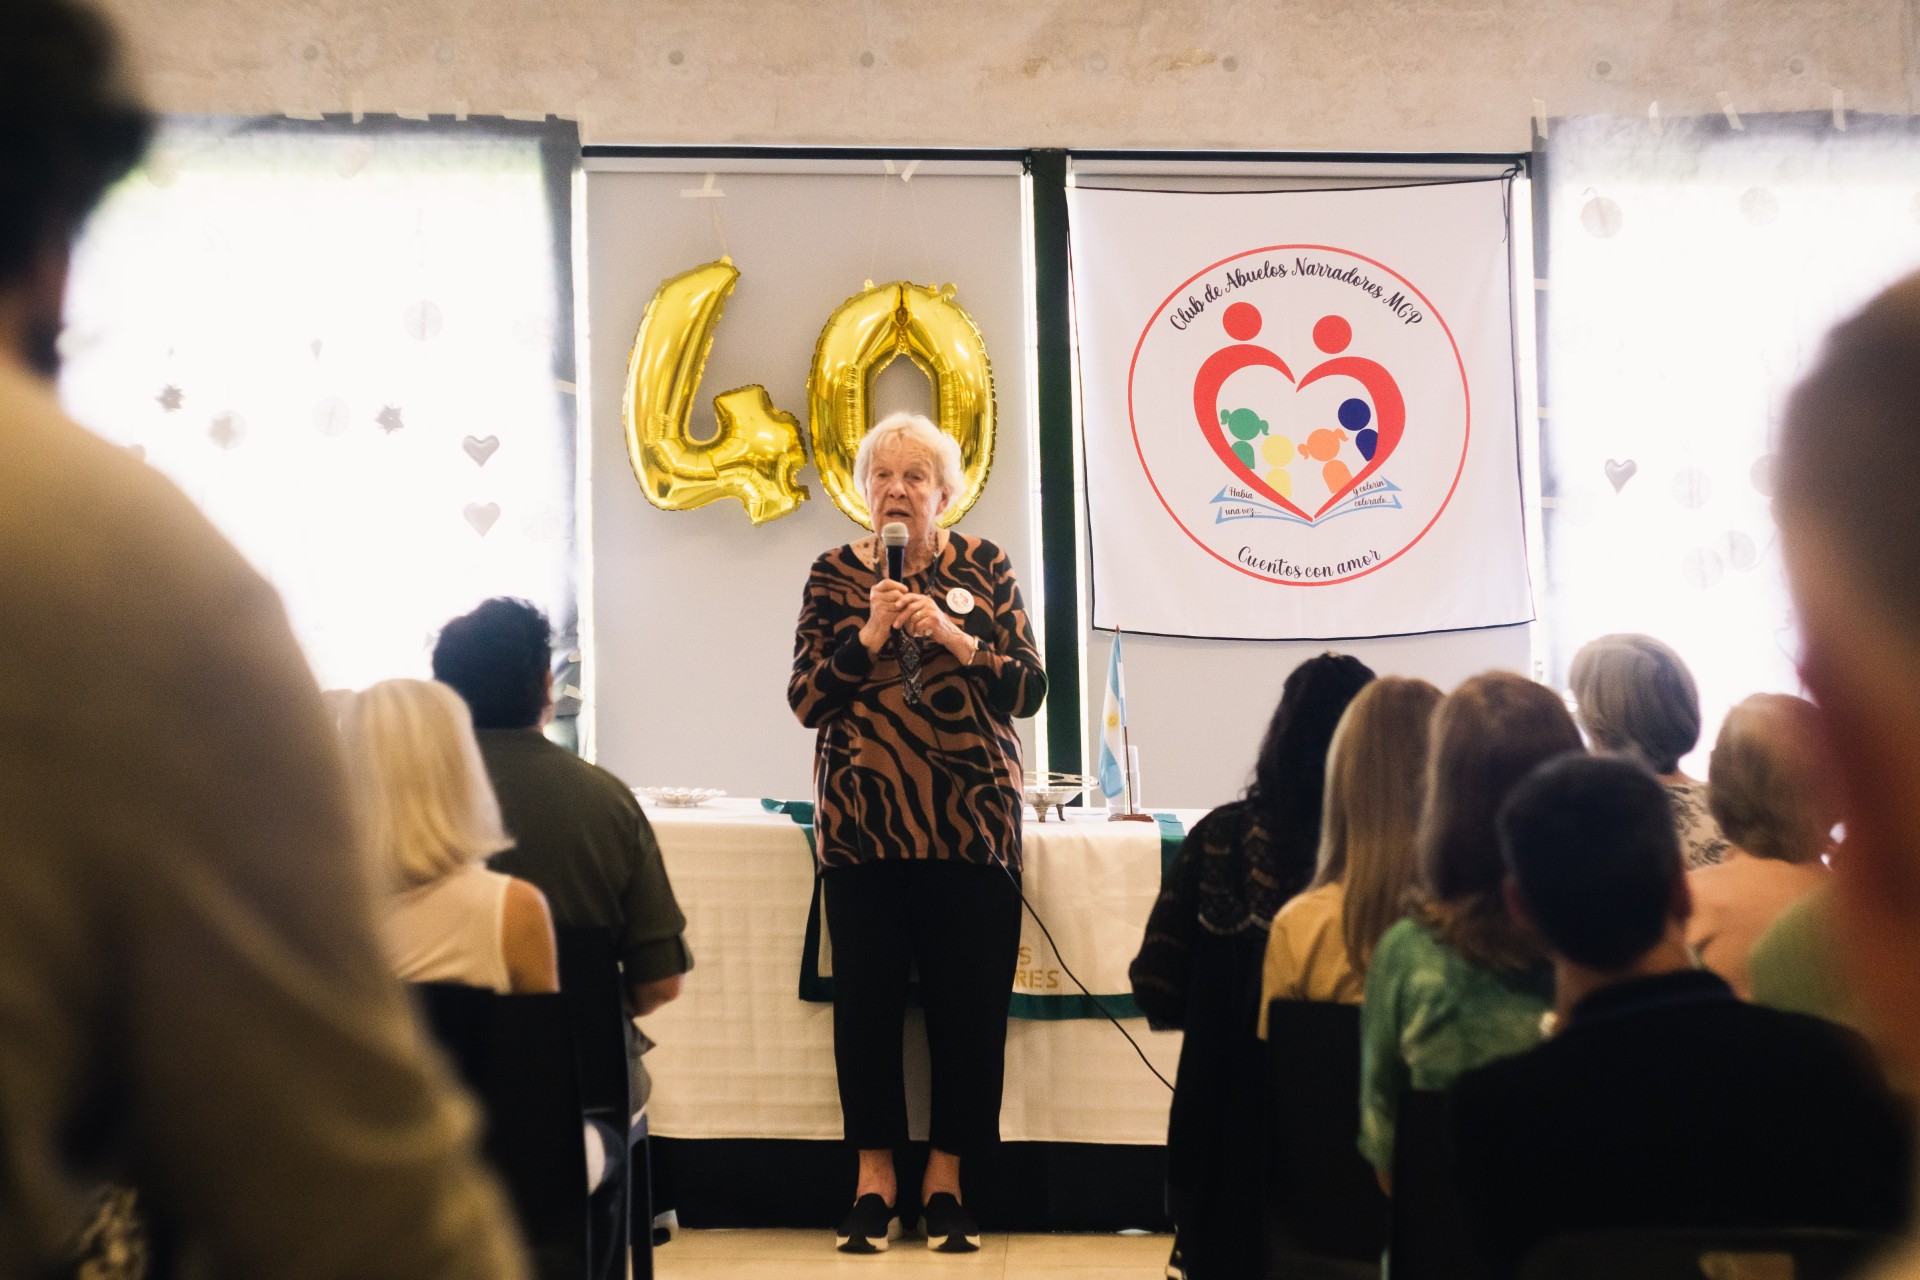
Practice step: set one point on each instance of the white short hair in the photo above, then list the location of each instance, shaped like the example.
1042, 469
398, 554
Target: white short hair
915, 431
420, 789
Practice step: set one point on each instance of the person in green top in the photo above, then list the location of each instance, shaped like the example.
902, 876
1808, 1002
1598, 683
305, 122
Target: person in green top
1461, 982
579, 835
1792, 965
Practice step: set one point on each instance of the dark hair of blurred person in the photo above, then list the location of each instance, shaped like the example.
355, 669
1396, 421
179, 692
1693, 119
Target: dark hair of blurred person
499, 658
1661, 1100
69, 128
1199, 965
1592, 855
192, 999
1322, 941
1460, 982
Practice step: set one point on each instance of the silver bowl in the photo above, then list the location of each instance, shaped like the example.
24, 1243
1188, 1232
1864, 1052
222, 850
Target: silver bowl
1046, 791
679, 797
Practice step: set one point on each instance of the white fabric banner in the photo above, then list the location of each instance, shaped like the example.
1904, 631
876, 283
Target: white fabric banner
1298, 411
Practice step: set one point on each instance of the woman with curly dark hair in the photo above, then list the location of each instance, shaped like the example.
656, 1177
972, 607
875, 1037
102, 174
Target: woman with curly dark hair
1199, 966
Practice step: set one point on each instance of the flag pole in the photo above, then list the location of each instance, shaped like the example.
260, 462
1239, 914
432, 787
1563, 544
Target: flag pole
1133, 813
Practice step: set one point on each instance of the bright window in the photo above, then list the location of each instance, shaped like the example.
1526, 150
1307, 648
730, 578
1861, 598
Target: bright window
347, 345
1690, 274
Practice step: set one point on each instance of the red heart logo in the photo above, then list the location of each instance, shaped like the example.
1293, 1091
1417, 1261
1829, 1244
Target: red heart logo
1331, 334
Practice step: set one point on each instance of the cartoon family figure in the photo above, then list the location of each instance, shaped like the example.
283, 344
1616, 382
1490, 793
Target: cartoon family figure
1263, 458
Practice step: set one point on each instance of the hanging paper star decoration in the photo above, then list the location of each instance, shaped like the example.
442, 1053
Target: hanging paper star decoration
170, 398
228, 430
389, 419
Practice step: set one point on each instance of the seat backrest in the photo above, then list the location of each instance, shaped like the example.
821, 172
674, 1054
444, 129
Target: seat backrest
461, 1020
1737, 1254
516, 1055
1429, 1238
1322, 1197
597, 1012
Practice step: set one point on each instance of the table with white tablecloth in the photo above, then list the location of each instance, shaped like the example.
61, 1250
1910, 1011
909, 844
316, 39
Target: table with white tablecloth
740, 1056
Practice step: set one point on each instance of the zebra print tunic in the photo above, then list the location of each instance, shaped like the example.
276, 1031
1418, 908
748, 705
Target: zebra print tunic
940, 779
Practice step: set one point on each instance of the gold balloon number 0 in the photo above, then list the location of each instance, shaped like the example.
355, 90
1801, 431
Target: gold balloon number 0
756, 455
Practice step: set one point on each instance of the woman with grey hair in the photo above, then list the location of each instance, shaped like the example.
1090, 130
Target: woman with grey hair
1635, 697
913, 686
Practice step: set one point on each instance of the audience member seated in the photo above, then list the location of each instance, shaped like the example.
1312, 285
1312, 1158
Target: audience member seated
1773, 803
1460, 982
1199, 966
1662, 1100
1636, 698
578, 833
1851, 537
429, 820
1322, 941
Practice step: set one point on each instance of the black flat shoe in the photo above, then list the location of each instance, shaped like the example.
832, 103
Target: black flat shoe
949, 1227
869, 1227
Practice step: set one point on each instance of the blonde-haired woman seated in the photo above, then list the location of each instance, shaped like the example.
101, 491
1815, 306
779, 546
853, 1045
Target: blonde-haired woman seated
429, 819
1323, 940
1635, 698
1774, 805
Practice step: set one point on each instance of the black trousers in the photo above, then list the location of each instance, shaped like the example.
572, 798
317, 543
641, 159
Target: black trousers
959, 923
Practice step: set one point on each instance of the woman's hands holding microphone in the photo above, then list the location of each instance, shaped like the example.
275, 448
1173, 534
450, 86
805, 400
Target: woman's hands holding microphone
892, 606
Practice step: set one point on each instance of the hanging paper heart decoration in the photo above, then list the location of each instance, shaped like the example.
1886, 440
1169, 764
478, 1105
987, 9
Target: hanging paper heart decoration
481, 515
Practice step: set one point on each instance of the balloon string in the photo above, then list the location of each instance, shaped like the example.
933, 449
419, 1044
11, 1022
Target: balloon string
879, 216
920, 235
719, 232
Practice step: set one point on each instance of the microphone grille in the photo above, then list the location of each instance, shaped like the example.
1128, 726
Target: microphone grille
893, 534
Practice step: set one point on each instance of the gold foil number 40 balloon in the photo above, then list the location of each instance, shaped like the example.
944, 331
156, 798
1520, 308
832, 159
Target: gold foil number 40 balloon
863, 336
755, 456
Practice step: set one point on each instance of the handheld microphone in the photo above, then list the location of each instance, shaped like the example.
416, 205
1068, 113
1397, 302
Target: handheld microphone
894, 536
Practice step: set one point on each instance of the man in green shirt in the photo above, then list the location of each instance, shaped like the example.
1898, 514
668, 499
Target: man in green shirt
578, 832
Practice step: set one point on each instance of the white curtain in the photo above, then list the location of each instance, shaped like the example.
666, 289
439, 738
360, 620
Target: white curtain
351, 346
1688, 272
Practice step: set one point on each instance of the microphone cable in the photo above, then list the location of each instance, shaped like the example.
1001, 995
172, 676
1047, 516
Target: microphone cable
933, 722
1108, 1013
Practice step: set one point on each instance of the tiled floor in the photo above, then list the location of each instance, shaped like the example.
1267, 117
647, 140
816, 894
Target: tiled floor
805, 1255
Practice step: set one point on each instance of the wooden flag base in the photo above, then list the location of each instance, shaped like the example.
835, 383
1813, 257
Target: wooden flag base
1129, 817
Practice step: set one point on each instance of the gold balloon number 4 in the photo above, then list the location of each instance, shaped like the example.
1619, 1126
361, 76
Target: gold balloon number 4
756, 455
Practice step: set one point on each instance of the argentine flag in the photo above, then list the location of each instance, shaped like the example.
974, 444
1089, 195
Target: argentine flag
1113, 724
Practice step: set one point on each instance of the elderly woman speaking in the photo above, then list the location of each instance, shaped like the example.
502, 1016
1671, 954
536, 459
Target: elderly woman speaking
913, 686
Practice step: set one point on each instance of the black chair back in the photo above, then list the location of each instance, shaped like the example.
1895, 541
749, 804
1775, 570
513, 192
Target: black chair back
1667, 1254
516, 1054
590, 978
596, 1007
1429, 1238
1322, 1199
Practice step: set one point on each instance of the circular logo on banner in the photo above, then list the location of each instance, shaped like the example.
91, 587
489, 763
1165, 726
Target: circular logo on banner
1301, 411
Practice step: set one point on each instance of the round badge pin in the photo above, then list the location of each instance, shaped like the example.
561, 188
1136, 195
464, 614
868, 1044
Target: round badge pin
960, 600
